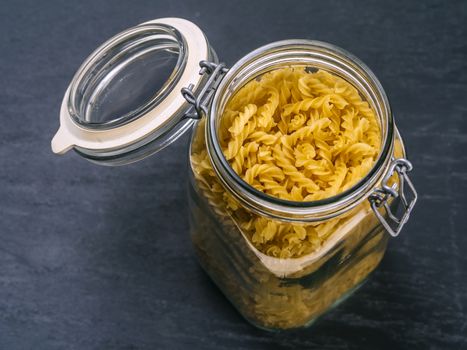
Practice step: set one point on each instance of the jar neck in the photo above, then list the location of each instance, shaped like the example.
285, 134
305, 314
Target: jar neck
322, 56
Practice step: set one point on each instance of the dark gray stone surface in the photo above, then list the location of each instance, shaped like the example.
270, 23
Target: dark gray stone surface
100, 258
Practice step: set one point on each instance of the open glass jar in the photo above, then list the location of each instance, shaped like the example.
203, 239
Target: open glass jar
143, 88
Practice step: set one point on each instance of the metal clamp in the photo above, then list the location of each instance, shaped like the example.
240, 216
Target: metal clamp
201, 102
381, 197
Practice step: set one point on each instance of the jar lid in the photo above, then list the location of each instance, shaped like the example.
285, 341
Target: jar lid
125, 102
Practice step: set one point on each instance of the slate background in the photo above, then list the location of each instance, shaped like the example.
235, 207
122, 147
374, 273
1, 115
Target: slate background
100, 258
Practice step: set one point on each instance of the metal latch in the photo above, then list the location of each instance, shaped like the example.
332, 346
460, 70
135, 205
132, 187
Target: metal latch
381, 197
201, 102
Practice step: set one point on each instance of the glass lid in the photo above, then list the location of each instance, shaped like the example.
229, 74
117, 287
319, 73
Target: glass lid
124, 102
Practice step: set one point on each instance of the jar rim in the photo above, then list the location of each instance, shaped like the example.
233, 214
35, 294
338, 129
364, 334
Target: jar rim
294, 52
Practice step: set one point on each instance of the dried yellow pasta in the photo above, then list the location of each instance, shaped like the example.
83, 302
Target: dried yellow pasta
309, 136
297, 136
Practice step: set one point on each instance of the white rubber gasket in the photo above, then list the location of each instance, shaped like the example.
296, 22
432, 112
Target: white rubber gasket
71, 134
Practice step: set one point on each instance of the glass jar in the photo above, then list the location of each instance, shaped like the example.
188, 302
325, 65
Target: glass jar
123, 105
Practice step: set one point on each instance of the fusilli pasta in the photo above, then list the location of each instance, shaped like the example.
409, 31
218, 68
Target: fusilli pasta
316, 138
298, 136
315, 129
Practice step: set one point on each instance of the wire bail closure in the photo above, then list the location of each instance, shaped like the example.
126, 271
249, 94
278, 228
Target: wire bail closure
381, 197
201, 102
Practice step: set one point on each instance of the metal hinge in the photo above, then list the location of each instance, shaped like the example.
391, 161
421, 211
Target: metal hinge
381, 197
200, 103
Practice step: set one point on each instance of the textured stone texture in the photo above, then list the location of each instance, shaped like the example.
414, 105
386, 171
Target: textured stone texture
100, 258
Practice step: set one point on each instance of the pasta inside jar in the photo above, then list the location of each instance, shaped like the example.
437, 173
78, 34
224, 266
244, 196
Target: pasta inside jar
298, 134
